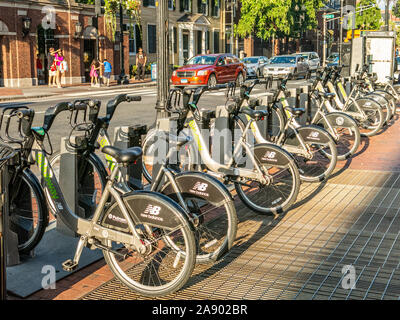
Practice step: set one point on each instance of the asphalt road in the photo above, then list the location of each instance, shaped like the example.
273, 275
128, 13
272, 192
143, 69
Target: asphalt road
127, 113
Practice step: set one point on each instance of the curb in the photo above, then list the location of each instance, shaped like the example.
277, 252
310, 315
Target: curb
127, 86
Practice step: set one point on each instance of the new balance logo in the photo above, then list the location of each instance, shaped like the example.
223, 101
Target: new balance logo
270, 155
153, 210
199, 186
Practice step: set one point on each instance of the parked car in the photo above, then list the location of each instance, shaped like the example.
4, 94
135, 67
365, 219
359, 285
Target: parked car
312, 59
333, 59
255, 66
211, 69
292, 65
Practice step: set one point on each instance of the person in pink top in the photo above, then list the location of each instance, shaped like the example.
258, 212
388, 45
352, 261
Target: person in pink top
58, 59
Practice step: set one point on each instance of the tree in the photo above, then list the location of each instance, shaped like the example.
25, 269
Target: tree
267, 18
396, 9
264, 18
369, 19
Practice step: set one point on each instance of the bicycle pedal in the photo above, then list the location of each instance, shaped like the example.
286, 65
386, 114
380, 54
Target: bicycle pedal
69, 265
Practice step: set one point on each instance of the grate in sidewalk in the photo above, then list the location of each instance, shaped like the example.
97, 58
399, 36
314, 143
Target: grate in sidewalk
351, 220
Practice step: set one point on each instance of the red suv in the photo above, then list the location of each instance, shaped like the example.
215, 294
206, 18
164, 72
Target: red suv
210, 69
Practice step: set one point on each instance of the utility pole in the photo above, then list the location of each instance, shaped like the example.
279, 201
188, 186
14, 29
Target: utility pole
98, 13
162, 59
341, 33
122, 77
387, 15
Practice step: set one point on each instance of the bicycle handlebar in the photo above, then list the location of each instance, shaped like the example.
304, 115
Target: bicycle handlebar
52, 113
113, 104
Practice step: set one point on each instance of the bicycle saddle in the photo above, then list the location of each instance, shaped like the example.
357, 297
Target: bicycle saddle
254, 114
326, 95
297, 111
123, 156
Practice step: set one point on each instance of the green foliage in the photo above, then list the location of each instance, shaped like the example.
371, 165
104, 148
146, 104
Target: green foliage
396, 9
370, 18
266, 18
86, 1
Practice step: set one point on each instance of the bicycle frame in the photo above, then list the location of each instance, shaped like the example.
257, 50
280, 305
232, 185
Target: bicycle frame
85, 228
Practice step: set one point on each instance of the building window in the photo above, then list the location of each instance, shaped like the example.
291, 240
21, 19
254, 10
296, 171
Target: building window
186, 5
151, 38
202, 7
149, 3
132, 39
175, 40
171, 4
199, 42
215, 6
216, 41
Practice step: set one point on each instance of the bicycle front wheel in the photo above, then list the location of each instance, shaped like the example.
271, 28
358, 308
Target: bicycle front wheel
319, 157
345, 131
211, 209
28, 211
281, 186
170, 254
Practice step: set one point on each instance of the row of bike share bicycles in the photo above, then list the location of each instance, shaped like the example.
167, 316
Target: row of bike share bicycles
152, 236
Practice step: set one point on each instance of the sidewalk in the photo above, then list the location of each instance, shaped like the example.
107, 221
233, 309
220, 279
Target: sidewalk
42, 91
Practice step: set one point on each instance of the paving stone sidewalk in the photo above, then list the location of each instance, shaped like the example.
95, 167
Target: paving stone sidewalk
351, 221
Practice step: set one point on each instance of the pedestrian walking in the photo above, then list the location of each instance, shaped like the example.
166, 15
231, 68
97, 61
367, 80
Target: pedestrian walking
107, 72
63, 67
52, 67
141, 60
94, 75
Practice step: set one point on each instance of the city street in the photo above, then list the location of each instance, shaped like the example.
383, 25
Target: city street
137, 112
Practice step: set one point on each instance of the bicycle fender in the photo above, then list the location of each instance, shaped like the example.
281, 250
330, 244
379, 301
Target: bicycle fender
144, 208
270, 154
314, 134
198, 185
339, 120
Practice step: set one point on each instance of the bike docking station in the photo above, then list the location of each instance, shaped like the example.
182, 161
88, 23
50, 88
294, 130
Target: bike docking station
43, 268
126, 137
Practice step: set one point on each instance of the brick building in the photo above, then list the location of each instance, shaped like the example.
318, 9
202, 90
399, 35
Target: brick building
195, 27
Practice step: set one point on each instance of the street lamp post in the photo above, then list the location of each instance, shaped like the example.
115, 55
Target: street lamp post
162, 59
122, 77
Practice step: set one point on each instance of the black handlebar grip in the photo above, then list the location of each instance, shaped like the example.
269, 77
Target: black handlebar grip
26, 117
52, 113
113, 104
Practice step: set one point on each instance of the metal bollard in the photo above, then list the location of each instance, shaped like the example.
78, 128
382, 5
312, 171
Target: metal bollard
68, 180
129, 137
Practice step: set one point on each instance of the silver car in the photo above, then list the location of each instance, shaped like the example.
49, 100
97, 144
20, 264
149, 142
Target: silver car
255, 66
312, 59
292, 65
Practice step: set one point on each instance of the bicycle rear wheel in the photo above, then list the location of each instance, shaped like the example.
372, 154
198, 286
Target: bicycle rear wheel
28, 211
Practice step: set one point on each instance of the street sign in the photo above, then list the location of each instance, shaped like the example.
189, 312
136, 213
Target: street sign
329, 16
